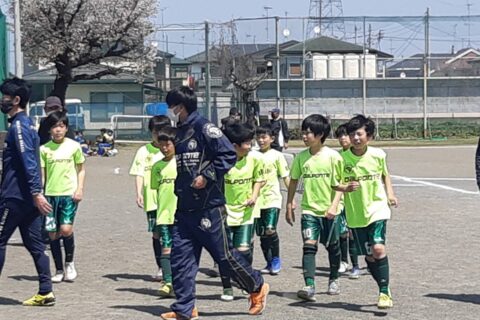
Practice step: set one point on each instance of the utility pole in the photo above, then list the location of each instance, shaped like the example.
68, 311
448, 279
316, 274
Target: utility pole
364, 73
266, 8
469, 5
18, 41
426, 73
207, 71
277, 47
369, 35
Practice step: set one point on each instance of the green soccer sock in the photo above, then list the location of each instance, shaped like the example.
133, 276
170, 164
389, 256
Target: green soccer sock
334, 260
275, 248
372, 266
69, 246
166, 268
266, 244
157, 250
383, 275
57, 254
308, 263
353, 253
344, 249
354, 259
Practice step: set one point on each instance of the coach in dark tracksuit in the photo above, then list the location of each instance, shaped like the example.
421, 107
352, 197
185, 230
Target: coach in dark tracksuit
21, 199
204, 155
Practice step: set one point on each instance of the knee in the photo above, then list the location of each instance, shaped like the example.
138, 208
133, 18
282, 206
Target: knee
244, 250
155, 235
310, 248
379, 251
270, 232
166, 252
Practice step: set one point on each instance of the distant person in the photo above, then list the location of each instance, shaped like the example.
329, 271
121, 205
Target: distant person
233, 116
280, 130
52, 104
21, 200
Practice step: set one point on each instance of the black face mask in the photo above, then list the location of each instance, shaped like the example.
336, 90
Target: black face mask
6, 106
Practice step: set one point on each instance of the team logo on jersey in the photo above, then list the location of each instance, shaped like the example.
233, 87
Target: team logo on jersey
192, 144
212, 131
348, 168
205, 223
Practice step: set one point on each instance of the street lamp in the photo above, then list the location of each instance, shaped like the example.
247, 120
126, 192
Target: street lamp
162, 9
266, 8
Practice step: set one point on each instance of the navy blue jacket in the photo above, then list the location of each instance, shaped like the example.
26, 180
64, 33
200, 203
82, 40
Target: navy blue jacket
201, 149
21, 175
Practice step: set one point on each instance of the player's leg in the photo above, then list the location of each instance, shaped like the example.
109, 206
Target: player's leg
343, 242
10, 216
227, 293
330, 238
52, 226
166, 240
264, 243
66, 217
355, 272
310, 233
157, 247
270, 240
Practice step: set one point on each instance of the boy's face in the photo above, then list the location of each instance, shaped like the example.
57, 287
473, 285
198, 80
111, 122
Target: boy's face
359, 139
167, 148
58, 131
310, 139
264, 141
243, 149
344, 141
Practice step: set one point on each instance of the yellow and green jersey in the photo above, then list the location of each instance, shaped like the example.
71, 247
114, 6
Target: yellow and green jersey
142, 164
239, 183
275, 166
321, 173
59, 161
368, 203
164, 174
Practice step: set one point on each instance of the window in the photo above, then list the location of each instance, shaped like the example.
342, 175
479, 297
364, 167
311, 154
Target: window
295, 69
105, 104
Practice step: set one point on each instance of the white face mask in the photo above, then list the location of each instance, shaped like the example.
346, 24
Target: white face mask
174, 117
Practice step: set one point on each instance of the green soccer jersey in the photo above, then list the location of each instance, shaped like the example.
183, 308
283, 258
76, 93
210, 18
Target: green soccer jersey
59, 161
368, 203
275, 166
142, 164
321, 173
239, 183
164, 174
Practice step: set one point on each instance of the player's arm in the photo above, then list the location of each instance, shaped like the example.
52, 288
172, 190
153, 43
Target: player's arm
332, 211
290, 214
255, 192
139, 190
78, 195
392, 199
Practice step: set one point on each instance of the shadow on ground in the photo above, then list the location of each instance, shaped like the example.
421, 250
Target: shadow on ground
127, 276
24, 278
467, 298
340, 305
8, 302
153, 310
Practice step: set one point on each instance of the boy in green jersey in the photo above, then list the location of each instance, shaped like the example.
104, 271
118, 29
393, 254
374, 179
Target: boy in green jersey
63, 174
368, 197
275, 166
346, 239
320, 167
242, 189
164, 173
146, 197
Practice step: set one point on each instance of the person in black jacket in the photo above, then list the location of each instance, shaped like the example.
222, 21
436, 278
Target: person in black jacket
280, 130
52, 104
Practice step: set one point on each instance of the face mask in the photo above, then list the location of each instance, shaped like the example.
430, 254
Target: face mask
173, 116
6, 106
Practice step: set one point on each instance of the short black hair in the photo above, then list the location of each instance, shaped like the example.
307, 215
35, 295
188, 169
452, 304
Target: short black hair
360, 121
265, 129
56, 117
317, 124
17, 87
158, 122
167, 133
341, 130
239, 133
233, 111
182, 95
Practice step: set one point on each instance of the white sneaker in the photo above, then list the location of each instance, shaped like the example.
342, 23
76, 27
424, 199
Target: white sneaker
158, 276
70, 272
343, 267
58, 277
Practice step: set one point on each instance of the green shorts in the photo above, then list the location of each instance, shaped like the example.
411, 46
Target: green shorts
64, 209
151, 221
165, 232
342, 221
268, 221
364, 238
241, 236
320, 229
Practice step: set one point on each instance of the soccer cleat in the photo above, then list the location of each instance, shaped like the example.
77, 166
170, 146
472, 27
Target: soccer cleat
343, 267
58, 277
355, 273
166, 291
276, 266
258, 300
227, 295
307, 293
173, 316
384, 301
267, 269
158, 276
333, 287
70, 272
39, 300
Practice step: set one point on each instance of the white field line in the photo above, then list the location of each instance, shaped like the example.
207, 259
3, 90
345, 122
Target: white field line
445, 179
436, 185
405, 185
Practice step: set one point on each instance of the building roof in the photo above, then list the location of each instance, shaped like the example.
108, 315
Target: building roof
236, 50
329, 45
437, 60
49, 74
179, 61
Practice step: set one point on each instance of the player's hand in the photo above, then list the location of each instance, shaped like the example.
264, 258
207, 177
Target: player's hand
285, 146
78, 196
393, 201
352, 186
199, 182
290, 214
331, 213
250, 202
140, 201
42, 204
